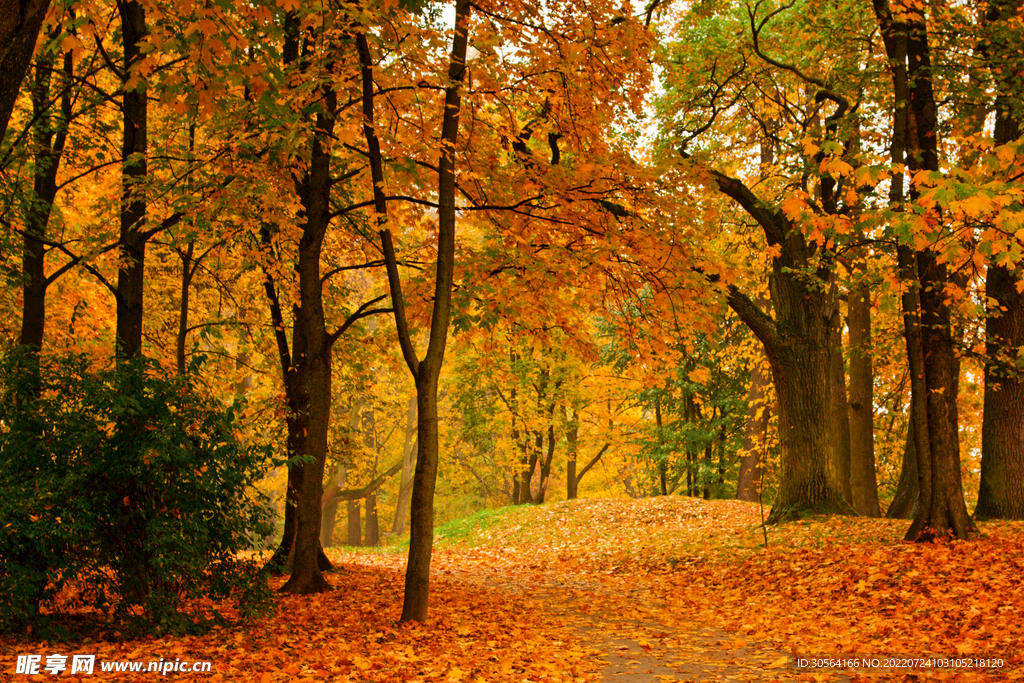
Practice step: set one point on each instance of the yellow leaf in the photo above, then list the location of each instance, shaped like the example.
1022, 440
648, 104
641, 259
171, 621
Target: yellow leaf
778, 663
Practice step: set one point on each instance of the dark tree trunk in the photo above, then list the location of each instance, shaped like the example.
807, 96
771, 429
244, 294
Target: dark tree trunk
134, 170
933, 366
20, 22
1001, 492
425, 372
863, 481
49, 141
796, 343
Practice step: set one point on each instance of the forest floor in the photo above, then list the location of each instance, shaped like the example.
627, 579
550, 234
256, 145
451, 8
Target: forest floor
653, 590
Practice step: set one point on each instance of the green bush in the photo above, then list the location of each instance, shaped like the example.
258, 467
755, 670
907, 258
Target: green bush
130, 485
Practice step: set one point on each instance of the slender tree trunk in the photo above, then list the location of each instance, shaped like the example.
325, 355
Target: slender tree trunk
405, 487
134, 171
372, 523
49, 141
355, 527
840, 407
907, 499
863, 481
758, 415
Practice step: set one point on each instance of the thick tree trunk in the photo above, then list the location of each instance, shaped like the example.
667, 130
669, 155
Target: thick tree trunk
1001, 493
758, 416
863, 481
20, 22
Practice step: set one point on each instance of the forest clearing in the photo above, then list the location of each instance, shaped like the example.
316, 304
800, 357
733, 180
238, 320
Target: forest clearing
531, 594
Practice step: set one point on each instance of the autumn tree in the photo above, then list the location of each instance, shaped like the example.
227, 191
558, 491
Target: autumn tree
934, 369
20, 23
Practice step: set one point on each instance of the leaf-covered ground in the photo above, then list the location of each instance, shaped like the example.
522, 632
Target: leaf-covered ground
650, 590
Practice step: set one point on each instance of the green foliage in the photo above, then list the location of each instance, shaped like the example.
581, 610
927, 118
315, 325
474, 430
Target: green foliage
127, 486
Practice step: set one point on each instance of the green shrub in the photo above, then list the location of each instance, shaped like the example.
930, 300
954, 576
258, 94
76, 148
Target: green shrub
128, 483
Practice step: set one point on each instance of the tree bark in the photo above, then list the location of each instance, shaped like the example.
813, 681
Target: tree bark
134, 171
372, 538
49, 141
20, 22
933, 365
427, 371
863, 481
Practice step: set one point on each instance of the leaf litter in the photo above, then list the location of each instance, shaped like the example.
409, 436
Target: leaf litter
660, 589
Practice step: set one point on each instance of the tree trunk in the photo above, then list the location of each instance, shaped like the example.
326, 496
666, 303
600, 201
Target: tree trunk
1001, 492
134, 170
907, 499
405, 487
355, 527
796, 343
840, 407
329, 519
933, 366
49, 141
20, 22
863, 481
758, 415
372, 524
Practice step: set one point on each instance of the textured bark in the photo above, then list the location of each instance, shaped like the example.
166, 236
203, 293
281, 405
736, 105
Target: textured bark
20, 22
425, 372
134, 170
1001, 492
933, 366
863, 481
49, 138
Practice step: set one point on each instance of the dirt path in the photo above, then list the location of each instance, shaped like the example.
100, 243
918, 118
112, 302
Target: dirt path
638, 639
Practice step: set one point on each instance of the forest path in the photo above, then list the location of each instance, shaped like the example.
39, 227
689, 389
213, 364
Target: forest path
623, 621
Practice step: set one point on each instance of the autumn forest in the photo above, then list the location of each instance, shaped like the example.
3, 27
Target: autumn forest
281, 276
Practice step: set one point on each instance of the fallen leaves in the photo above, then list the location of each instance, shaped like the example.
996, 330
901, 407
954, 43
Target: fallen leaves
680, 588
